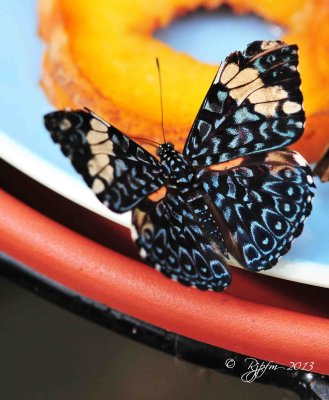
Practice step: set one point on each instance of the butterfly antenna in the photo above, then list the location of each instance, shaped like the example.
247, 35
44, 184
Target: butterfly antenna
154, 144
161, 102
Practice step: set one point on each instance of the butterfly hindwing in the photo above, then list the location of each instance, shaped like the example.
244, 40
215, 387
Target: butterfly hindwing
264, 200
169, 238
120, 172
254, 104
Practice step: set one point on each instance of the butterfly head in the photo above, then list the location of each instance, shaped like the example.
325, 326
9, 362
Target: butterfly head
165, 150
172, 161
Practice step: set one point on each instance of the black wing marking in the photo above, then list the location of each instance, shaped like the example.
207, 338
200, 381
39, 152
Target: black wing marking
253, 105
264, 200
120, 172
170, 240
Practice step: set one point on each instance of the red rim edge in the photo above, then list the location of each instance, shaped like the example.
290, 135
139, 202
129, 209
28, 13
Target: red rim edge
224, 320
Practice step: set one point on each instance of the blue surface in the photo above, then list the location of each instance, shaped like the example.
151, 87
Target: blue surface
22, 100
206, 36
210, 36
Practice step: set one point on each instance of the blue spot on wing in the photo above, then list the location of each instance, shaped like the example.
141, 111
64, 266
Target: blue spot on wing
264, 201
241, 126
187, 253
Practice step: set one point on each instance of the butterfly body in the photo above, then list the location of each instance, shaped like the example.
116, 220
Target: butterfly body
178, 174
182, 178
235, 194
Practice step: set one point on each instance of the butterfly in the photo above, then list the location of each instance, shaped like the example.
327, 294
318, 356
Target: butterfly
235, 195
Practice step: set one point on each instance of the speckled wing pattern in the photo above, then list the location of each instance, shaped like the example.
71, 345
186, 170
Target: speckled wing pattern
172, 241
254, 104
264, 200
120, 172
254, 194
261, 196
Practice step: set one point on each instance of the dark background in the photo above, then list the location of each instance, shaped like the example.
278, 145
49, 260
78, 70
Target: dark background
48, 353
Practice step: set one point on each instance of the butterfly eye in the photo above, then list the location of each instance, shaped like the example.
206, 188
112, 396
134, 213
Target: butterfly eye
158, 151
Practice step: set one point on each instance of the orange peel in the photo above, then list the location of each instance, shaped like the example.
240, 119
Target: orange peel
102, 55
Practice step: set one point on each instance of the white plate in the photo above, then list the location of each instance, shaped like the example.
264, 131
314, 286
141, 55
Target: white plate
25, 143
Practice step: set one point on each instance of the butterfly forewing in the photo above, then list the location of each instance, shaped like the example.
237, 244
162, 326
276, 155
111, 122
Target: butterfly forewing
264, 200
120, 172
254, 104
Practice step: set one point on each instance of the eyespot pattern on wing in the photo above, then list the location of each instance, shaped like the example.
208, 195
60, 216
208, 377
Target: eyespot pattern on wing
170, 239
264, 200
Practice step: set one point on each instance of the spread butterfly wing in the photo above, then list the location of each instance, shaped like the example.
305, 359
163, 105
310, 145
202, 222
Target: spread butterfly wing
170, 240
254, 104
261, 202
120, 172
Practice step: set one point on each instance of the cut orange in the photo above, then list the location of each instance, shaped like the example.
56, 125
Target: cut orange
101, 55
